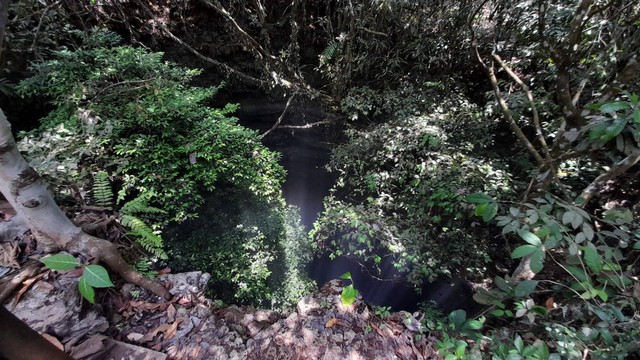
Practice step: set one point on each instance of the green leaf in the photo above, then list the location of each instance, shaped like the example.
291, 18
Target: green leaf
346, 276
588, 231
473, 325
518, 343
60, 262
577, 272
457, 318
348, 295
602, 295
481, 209
523, 250
502, 284
592, 259
529, 237
86, 290
614, 106
525, 287
479, 198
636, 116
97, 276
492, 210
536, 261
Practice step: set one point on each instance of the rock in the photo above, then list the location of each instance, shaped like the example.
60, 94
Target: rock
57, 311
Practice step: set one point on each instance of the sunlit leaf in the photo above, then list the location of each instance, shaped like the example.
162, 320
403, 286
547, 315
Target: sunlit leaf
490, 213
97, 276
346, 276
60, 262
529, 237
348, 295
86, 290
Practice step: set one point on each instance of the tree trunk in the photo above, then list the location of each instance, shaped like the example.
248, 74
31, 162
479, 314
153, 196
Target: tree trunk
29, 196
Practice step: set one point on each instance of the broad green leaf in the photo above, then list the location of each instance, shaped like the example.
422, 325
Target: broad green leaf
613, 130
60, 262
485, 297
636, 116
97, 276
348, 295
525, 287
502, 284
577, 272
602, 295
614, 106
536, 261
479, 198
592, 259
529, 237
518, 343
481, 209
346, 276
636, 245
588, 231
492, 210
473, 325
523, 250
457, 318
86, 290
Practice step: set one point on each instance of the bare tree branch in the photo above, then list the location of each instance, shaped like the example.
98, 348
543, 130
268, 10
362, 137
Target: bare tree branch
536, 117
281, 117
616, 170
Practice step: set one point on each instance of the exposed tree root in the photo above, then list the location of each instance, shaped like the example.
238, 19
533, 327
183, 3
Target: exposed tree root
29, 196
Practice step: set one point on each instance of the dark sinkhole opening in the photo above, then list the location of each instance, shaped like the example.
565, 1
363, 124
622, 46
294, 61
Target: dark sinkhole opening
304, 155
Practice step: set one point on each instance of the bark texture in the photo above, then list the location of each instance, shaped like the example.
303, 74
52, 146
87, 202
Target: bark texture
29, 196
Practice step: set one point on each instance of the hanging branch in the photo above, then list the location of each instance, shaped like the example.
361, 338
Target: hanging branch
536, 117
222, 66
504, 107
214, 4
616, 170
284, 112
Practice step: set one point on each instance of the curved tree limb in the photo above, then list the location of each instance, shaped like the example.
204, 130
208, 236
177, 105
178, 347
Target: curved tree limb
616, 170
28, 195
534, 109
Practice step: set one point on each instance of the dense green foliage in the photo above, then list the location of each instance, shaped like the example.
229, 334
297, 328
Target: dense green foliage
401, 187
123, 111
494, 140
253, 250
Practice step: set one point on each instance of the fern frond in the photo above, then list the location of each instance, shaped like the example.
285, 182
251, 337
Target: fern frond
140, 205
144, 235
102, 194
330, 51
143, 266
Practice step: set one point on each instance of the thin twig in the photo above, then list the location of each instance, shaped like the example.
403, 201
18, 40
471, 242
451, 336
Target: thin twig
281, 117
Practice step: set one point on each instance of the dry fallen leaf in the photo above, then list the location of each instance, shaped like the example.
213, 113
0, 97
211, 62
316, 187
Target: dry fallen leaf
549, 304
54, 341
331, 323
154, 332
171, 313
171, 331
134, 336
